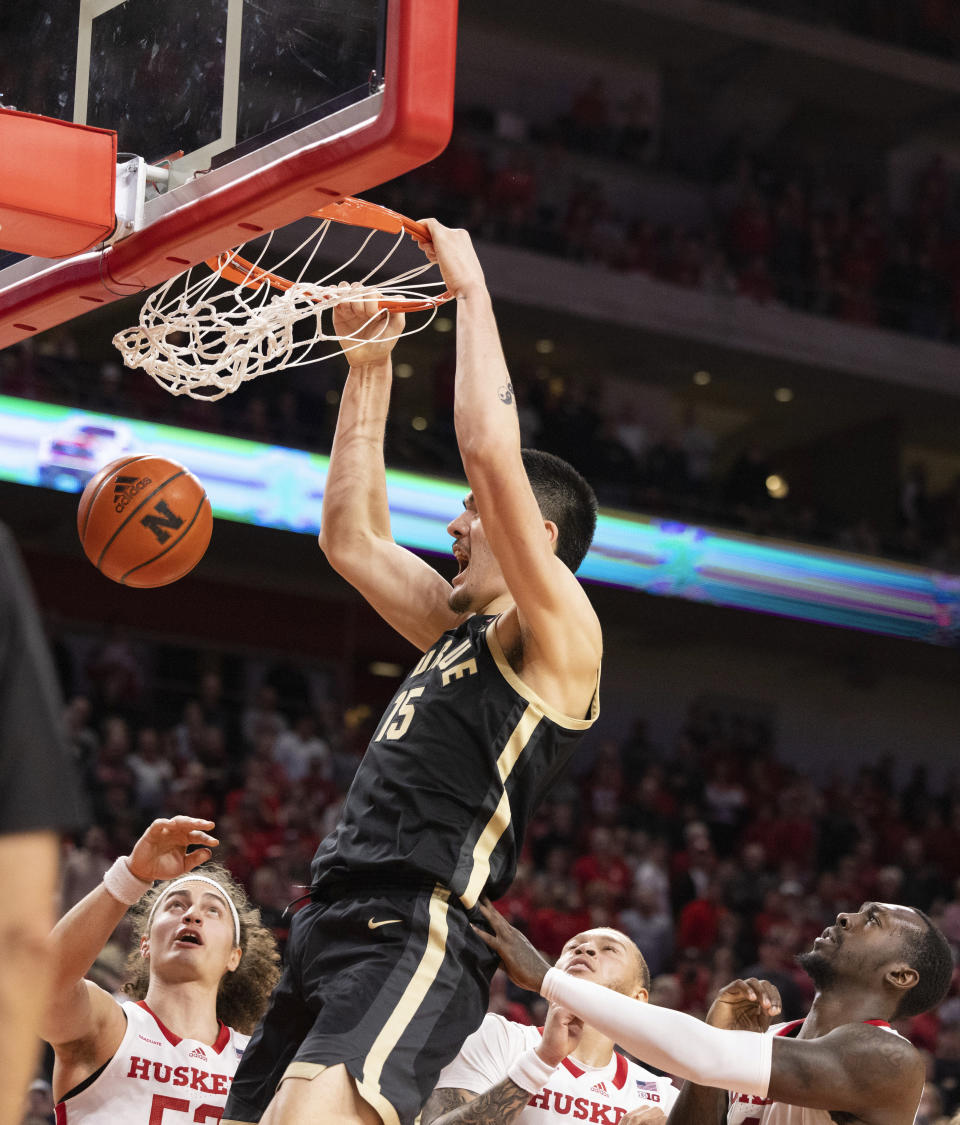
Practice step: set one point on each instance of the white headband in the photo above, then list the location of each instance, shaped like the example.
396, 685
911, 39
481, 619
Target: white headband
199, 879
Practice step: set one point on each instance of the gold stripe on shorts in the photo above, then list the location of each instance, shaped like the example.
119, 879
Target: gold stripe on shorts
413, 995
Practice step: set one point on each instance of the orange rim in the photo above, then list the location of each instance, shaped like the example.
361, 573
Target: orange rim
351, 212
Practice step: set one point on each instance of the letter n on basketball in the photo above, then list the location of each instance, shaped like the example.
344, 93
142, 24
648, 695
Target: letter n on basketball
163, 523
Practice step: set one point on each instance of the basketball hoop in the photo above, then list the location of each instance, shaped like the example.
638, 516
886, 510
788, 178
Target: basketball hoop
198, 338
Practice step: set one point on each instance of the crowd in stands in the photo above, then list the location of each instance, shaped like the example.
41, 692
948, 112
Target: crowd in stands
769, 229
719, 858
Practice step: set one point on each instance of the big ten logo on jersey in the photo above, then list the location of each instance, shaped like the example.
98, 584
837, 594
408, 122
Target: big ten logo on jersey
648, 1091
452, 663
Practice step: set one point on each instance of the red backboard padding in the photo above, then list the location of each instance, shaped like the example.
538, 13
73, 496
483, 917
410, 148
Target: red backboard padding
414, 127
57, 184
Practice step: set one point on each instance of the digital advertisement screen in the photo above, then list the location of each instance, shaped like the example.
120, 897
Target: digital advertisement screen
272, 486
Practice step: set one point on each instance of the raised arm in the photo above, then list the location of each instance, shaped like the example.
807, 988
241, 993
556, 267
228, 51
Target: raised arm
84, 1023
355, 533
857, 1068
552, 608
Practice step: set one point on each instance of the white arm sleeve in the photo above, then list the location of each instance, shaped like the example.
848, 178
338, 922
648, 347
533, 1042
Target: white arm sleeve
672, 1041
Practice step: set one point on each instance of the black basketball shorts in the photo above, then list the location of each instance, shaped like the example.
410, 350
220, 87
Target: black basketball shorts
389, 984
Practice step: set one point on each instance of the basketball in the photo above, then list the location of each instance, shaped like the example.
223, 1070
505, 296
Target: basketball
144, 521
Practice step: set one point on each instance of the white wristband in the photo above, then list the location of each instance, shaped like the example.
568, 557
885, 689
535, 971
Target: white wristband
122, 884
530, 1072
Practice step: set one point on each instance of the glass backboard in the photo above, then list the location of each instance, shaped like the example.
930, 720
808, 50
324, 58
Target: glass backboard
259, 114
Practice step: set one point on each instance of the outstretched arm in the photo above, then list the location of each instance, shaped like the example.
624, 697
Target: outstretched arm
81, 1015
355, 534
552, 607
857, 1068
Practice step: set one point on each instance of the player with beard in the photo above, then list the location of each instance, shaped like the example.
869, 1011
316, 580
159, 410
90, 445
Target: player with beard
385, 976
841, 1065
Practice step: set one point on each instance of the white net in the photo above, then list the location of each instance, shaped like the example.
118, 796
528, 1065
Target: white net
218, 325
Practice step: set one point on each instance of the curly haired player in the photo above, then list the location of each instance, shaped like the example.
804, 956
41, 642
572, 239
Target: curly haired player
199, 980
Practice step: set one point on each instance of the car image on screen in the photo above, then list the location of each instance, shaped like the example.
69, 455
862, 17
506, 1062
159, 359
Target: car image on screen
77, 449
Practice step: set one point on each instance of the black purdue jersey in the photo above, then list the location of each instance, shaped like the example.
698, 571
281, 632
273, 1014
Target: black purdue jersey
460, 759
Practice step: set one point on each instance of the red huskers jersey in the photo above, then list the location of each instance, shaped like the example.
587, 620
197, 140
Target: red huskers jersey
156, 1078
602, 1094
745, 1109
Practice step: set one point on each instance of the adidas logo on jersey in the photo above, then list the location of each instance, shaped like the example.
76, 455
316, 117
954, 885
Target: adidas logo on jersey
153, 1042
197, 1053
599, 1089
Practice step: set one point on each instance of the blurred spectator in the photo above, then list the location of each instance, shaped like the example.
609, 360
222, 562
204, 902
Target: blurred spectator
116, 674
603, 865
946, 1067
558, 912
650, 925
587, 124
775, 964
40, 1110
752, 880
725, 801
653, 875
698, 445
84, 867
263, 717
698, 926
501, 1002
81, 736
300, 750
152, 772
930, 1111
559, 832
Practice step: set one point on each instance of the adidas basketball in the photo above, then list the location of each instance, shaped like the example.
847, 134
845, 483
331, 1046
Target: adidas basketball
144, 521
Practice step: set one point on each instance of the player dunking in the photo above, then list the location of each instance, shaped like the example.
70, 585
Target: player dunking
385, 976
842, 1064
199, 980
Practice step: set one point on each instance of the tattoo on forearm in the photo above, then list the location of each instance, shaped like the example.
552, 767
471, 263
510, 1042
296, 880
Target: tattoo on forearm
441, 1102
505, 393
499, 1105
